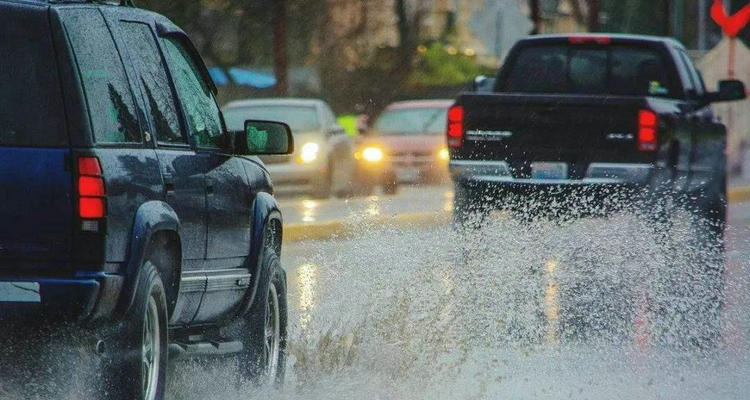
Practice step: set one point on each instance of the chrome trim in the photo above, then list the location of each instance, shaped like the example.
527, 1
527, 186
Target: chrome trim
193, 283
563, 182
222, 280
624, 172
473, 167
597, 173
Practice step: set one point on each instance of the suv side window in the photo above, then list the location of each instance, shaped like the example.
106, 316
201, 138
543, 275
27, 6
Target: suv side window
201, 111
110, 103
144, 54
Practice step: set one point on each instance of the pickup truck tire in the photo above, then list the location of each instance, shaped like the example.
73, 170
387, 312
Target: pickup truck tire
468, 210
263, 358
137, 365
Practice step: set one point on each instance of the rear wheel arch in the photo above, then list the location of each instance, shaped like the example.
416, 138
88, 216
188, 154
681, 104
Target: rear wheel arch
165, 252
155, 221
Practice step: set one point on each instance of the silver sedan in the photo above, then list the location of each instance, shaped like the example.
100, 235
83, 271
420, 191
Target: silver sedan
322, 163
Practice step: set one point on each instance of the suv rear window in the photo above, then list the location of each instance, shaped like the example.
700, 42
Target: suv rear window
110, 102
30, 99
615, 70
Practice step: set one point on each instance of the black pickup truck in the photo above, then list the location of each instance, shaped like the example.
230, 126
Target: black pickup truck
595, 114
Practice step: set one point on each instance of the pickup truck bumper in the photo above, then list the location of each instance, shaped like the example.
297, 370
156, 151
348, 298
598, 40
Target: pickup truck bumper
85, 296
498, 173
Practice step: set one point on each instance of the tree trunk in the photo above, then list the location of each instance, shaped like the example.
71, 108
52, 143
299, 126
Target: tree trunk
594, 23
536, 17
280, 62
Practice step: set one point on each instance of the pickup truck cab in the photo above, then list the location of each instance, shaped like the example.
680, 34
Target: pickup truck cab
127, 207
595, 114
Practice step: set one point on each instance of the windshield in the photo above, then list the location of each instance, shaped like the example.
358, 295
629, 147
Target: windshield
616, 70
415, 121
299, 118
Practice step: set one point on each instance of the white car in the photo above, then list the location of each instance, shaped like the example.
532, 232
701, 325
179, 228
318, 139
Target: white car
322, 163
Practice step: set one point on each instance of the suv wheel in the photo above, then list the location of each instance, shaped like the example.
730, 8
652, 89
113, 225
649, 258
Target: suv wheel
137, 367
265, 325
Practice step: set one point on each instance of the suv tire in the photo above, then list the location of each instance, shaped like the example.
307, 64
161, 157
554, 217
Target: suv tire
137, 365
265, 326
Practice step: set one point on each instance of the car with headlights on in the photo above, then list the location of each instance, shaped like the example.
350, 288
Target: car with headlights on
406, 144
322, 163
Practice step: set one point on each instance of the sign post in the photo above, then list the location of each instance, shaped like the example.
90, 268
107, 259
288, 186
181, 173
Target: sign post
731, 25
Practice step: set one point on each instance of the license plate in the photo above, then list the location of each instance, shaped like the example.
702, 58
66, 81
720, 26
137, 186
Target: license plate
549, 170
407, 174
19, 292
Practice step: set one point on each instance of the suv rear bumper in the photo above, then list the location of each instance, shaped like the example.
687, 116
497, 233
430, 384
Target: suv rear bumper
499, 172
86, 296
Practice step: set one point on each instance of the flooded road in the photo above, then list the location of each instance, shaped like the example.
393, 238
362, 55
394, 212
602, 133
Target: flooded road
597, 308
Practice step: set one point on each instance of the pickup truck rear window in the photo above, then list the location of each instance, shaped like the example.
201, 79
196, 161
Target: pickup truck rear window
30, 99
615, 70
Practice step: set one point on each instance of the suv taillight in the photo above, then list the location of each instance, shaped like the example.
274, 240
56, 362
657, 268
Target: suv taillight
455, 126
648, 129
92, 203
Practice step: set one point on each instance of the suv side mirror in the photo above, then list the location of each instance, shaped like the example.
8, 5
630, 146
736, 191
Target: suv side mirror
264, 138
482, 84
729, 90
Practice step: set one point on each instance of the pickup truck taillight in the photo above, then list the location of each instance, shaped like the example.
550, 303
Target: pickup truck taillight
91, 191
455, 126
648, 123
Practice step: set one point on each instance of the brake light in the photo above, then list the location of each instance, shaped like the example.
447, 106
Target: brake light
89, 166
589, 39
91, 190
455, 126
648, 123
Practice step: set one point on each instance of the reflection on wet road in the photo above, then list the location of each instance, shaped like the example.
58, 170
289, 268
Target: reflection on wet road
551, 303
409, 200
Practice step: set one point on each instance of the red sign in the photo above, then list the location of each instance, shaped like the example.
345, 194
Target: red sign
730, 24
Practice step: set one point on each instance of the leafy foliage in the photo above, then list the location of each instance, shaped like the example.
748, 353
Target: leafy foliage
436, 66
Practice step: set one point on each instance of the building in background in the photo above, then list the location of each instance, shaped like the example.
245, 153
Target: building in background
497, 25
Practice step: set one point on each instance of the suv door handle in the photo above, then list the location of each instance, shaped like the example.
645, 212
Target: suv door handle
168, 184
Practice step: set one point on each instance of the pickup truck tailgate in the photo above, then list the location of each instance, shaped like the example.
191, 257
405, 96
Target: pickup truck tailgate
572, 128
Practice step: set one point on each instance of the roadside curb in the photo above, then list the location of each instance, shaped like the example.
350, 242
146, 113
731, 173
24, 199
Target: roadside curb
329, 229
738, 194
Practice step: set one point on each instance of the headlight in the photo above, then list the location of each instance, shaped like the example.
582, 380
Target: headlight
372, 154
444, 154
309, 152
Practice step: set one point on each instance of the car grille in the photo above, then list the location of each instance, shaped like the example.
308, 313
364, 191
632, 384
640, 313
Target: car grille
410, 159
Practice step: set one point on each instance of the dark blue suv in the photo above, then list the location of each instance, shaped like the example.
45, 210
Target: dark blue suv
125, 205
